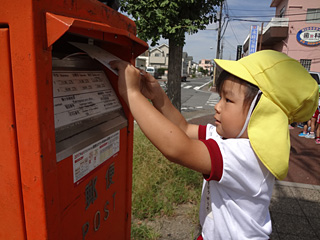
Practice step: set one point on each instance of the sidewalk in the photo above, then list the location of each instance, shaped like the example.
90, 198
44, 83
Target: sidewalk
295, 203
295, 211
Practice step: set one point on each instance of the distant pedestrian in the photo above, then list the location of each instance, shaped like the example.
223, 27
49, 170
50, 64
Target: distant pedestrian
316, 116
249, 146
306, 128
312, 125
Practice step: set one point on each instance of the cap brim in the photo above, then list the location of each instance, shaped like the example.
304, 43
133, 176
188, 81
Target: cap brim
290, 94
236, 69
268, 132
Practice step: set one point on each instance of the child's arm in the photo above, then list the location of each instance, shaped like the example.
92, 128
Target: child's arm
152, 90
168, 135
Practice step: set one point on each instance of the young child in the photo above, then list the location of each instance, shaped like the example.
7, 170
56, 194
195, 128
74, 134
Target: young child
316, 117
311, 129
306, 129
249, 146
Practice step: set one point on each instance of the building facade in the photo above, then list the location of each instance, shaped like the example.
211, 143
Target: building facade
295, 30
142, 61
158, 57
206, 64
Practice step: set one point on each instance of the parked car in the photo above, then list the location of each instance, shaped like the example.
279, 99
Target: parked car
183, 78
316, 76
153, 71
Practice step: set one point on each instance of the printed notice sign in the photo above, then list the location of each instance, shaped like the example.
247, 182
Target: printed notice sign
94, 155
80, 95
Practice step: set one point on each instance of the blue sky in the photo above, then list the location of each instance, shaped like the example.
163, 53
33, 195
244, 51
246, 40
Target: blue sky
203, 44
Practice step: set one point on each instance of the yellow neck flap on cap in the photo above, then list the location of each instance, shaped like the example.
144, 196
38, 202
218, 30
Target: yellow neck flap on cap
289, 94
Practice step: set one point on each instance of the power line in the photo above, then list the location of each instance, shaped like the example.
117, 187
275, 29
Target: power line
243, 25
263, 10
227, 13
234, 34
251, 10
224, 29
285, 15
231, 45
252, 20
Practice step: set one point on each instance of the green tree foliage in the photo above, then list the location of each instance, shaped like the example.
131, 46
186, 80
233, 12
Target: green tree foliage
171, 19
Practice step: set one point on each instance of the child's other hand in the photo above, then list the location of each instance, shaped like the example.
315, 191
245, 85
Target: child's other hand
129, 78
132, 79
150, 87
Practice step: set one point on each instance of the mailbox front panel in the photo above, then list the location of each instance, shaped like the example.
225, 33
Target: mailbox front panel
53, 185
97, 207
92, 140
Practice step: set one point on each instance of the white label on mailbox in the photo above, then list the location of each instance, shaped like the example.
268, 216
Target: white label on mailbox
94, 155
80, 95
97, 53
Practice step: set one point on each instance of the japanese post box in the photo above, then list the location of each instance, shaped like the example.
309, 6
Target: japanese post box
66, 135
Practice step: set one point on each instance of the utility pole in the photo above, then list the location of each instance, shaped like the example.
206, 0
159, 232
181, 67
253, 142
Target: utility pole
221, 50
219, 31
261, 36
218, 42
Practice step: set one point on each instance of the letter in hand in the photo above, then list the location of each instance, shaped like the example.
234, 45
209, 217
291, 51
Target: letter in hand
131, 77
150, 86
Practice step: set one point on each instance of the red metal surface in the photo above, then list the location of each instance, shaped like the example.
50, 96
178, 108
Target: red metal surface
40, 200
12, 213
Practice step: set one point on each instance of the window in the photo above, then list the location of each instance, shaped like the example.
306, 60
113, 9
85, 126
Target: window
157, 54
306, 63
313, 15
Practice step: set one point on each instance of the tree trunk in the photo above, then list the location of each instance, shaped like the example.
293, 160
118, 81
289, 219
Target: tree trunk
174, 73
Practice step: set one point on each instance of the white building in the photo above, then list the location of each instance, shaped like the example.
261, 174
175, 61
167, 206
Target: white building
158, 57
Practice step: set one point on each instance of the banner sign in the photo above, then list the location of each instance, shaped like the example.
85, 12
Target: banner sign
309, 36
253, 39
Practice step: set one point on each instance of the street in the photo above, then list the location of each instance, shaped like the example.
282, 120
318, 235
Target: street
195, 96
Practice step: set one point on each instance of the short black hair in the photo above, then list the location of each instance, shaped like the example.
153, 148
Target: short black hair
250, 92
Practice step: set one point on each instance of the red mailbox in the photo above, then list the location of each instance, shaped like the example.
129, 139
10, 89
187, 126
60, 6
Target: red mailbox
66, 165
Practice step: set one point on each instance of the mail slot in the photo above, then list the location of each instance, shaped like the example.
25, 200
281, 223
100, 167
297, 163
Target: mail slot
66, 165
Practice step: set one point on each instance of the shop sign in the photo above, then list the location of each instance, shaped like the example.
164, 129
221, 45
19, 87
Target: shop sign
309, 36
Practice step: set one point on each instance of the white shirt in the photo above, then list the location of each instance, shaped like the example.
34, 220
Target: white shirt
236, 207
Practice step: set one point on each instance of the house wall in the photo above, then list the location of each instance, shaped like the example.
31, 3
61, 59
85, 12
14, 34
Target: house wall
206, 64
159, 56
296, 12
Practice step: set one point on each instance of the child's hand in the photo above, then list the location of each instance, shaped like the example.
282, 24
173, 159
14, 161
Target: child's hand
132, 79
150, 87
129, 78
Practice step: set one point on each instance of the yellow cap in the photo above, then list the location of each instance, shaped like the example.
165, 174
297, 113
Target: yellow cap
289, 94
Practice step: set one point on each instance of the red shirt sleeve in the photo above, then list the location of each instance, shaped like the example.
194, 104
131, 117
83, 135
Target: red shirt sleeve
215, 156
202, 132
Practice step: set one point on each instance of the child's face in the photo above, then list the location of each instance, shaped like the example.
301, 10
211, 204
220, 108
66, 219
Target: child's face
230, 110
